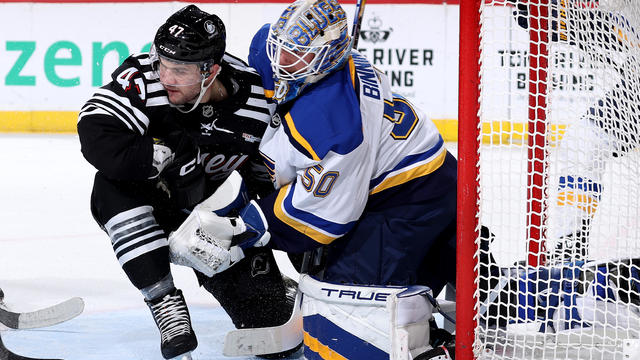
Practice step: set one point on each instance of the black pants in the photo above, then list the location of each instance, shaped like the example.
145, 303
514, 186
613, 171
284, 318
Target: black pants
137, 214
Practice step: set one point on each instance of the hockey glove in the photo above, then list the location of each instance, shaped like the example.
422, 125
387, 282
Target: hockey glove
211, 244
231, 200
162, 156
211, 240
203, 242
254, 227
183, 179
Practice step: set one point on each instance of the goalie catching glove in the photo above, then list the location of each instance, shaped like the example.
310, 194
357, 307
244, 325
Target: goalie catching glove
210, 242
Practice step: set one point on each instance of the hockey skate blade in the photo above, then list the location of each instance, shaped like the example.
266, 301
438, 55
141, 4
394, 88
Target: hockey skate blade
52, 315
267, 340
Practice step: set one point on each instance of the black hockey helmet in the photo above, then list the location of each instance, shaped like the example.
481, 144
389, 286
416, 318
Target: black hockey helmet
192, 35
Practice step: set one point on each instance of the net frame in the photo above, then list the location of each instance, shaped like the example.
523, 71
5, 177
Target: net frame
469, 140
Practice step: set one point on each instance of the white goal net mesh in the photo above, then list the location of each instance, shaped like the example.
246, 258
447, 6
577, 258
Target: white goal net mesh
559, 180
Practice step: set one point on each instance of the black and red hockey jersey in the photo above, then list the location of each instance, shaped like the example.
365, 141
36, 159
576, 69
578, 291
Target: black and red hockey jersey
118, 124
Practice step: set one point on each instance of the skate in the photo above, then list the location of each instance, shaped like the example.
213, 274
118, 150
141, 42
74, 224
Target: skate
171, 315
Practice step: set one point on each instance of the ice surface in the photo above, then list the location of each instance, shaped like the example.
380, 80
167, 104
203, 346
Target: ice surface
51, 249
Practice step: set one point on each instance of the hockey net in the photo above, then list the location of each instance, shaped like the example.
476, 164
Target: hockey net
550, 164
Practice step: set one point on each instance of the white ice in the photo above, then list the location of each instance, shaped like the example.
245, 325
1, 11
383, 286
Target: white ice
51, 249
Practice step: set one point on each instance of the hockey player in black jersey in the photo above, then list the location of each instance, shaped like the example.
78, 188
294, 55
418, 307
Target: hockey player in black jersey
164, 134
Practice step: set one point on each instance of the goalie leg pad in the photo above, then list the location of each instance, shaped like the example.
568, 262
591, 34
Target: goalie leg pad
576, 295
354, 321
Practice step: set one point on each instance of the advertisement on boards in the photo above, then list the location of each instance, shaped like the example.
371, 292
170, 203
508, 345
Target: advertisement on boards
54, 55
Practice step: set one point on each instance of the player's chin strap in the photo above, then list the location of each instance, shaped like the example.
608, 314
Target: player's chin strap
203, 90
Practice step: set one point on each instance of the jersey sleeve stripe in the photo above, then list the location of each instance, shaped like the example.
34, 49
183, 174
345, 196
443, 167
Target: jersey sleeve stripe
299, 141
308, 224
412, 171
158, 101
124, 104
150, 75
269, 164
258, 90
258, 102
154, 87
243, 67
352, 71
114, 111
409, 161
265, 118
234, 60
144, 60
93, 110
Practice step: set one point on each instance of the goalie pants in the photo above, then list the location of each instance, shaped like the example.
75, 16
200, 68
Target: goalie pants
136, 214
402, 245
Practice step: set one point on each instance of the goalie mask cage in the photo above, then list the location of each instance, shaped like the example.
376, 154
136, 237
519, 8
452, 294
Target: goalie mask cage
549, 163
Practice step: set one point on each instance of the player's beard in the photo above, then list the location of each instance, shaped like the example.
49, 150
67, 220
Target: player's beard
180, 95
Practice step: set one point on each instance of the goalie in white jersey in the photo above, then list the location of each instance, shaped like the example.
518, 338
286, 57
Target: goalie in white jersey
357, 168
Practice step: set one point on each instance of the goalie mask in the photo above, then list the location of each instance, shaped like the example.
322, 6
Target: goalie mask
186, 47
308, 42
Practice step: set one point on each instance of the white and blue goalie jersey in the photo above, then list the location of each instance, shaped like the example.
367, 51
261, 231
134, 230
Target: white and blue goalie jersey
345, 145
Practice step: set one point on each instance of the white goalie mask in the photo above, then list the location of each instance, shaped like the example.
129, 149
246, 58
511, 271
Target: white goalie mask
308, 42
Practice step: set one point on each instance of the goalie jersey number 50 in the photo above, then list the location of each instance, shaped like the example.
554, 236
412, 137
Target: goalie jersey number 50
322, 187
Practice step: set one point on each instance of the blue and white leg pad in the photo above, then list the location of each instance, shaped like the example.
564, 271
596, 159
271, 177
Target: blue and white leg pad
364, 322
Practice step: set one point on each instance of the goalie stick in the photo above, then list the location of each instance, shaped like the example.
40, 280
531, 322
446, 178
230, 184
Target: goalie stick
274, 339
48, 316
268, 340
357, 22
6, 354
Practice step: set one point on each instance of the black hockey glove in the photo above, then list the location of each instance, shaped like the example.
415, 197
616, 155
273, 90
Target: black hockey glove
183, 179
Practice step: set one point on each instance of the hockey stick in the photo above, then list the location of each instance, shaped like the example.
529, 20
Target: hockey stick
274, 339
268, 340
51, 315
357, 22
6, 354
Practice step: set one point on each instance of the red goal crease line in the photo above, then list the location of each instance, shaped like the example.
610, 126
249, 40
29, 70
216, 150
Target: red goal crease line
389, 2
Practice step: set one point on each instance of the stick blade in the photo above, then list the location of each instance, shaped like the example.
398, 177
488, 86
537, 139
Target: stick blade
268, 340
51, 315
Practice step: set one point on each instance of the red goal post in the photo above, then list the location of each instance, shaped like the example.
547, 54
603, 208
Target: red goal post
567, 237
